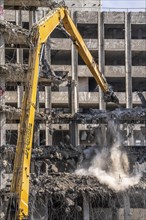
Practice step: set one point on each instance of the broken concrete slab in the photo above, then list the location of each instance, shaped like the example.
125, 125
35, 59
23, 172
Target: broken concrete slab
14, 33
95, 116
14, 72
18, 73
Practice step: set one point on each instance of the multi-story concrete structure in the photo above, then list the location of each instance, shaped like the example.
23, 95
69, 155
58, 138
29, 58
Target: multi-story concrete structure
117, 41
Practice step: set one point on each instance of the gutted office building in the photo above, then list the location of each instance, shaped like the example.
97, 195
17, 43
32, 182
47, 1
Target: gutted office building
70, 108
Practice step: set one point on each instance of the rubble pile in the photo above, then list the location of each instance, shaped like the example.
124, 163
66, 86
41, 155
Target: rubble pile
64, 158
95, 116
17, 72
67, 184
13, 33
73, 185
136, 114
45, 159
58, 194
64, 193
7, 154
14, 72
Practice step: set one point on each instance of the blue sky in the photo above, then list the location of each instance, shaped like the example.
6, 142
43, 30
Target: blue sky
124, 3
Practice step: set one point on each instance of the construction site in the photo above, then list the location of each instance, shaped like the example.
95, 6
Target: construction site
72, 111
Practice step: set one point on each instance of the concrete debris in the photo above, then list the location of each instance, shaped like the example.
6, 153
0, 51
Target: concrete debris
122, 115
13, 33
60, 196
47, 158
65, 183
12, 112
53, 80
53, 168
65, 192
58, 158
134, 115
63, 158
14, 72
7, 154
47, 73
18, 72
55, 188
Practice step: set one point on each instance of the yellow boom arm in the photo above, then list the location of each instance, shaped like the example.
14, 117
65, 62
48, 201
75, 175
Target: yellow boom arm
18, 205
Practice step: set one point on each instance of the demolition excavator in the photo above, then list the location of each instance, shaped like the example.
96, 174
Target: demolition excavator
19, 199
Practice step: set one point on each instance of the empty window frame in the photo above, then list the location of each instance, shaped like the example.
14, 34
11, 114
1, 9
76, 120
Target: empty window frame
11, 137
117, 83
10, 55
138, 31
88, 31
114, 31
138, 58
139, 84
115, 58
92, 84
60, 57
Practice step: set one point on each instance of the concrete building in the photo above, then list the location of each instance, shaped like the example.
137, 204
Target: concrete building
117, 41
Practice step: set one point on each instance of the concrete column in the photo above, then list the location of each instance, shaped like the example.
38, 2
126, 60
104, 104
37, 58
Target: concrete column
101, 63
74, 130
2, 43
126, 206
128, 67
130, 135
69, 95
19, 96
128, 62
143, 131
2, 115
101, 57
18, 19
114, 210
86, 213
2, 81
48, 107
48, 95
37, 101
33, 18
36, 138
48, 98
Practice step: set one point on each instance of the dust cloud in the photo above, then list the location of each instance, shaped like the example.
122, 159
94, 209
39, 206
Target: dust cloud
111, 166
